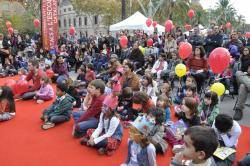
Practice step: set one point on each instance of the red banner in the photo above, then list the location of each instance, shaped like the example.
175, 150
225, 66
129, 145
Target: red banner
49, 24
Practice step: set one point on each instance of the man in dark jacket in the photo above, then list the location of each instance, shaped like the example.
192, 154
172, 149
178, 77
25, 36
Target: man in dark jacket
136, 56
195, 39
214, 40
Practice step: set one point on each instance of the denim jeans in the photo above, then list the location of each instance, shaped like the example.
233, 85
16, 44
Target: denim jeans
82, 127
58, 119
28, 95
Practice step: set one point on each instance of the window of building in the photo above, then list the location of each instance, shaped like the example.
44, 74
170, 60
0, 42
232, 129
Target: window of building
74, 22
80, 21
59, 22
69, 21
96, 19
64, 10
65, 23
85, 20
69, 9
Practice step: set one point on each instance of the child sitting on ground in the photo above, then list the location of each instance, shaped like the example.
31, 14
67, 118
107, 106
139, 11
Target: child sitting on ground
191, 91
140, 150
45, 92
7, 104
89, 117
209, 109
147, 86
108, 135
125, 105
165, 90
189, 117
90, 74
228, 132
164, 103
60, 110
200, 144
142, 102
181, 92
157, 133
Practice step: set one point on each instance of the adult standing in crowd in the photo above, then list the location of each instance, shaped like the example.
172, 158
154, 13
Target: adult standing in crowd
195, 39
214, 40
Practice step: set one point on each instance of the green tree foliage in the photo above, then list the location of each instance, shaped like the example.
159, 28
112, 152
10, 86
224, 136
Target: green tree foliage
22, 23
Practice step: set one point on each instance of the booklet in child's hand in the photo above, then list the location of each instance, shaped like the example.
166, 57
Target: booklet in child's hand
223, 152
178, 127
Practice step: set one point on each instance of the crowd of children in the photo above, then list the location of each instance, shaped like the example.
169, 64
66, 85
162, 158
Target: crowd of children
134, 93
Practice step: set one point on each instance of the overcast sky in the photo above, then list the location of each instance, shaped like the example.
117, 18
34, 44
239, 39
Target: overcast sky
242, 6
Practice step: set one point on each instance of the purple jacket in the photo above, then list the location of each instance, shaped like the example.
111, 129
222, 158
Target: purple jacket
60, 69
46, 91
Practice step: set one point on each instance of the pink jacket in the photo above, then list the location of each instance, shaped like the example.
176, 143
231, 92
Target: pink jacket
46, 90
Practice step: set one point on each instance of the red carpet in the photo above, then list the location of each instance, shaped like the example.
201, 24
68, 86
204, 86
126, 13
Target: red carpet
24, 143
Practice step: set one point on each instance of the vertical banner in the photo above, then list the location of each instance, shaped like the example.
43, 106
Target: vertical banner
49, 24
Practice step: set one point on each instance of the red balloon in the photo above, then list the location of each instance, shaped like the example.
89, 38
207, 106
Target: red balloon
10, 83
149, 22
185, 50
188, 27
10, 30
228, 25
124, 41
219, 60
21, 87
36, 23
150, 42
168, 25
155, 24
191, 14
72, 30
8, 24
247, 35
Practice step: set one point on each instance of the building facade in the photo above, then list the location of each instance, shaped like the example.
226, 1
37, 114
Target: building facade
85, 25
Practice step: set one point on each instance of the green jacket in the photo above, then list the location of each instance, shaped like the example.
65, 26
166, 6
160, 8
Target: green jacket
214, 111
60, 107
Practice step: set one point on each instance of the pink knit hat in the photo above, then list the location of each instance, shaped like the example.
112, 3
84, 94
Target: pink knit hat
120, 70
117, 87
111, 101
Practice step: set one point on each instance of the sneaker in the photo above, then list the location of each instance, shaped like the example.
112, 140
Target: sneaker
238, 114
227, 92
47, 125
84, 141
177, 148
101, 151
40, 101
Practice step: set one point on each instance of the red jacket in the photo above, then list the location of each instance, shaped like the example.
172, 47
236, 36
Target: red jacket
94, 110
36, 79
90, 76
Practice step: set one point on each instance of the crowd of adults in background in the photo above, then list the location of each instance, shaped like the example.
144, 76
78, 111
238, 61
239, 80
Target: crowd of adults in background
140, 75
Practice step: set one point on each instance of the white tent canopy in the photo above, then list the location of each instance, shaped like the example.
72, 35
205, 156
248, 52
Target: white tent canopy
136, 22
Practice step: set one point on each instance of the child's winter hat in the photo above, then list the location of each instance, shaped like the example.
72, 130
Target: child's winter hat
144, 124
111, 101
120, 70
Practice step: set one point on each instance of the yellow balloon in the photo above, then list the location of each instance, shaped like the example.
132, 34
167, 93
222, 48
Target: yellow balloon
142, 49
180, 70
218, 88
